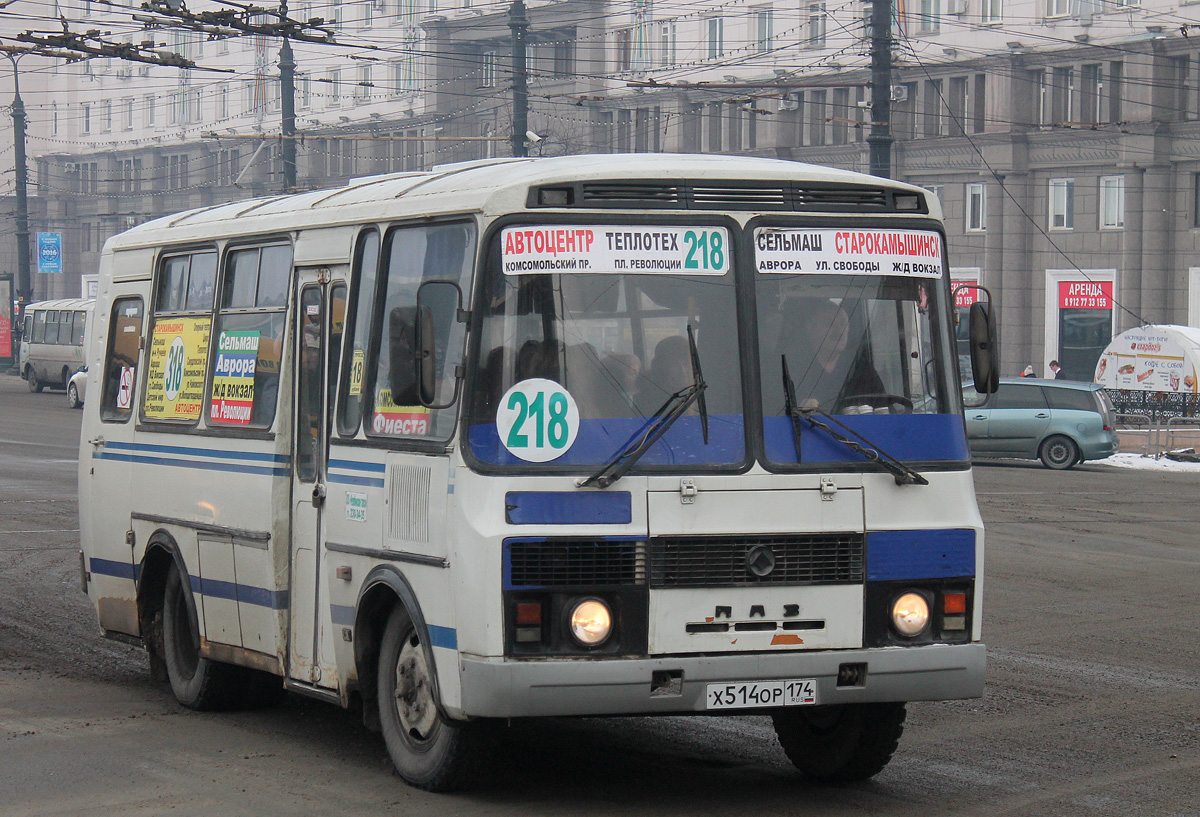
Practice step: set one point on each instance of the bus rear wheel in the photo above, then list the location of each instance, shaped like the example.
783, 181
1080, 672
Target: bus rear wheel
842, 743
198, 683
428, 751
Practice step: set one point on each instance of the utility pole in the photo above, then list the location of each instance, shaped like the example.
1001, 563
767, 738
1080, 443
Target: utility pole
287, 93
880, 139
24, 284
519, 24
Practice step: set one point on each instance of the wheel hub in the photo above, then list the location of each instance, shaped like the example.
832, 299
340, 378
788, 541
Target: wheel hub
414, 693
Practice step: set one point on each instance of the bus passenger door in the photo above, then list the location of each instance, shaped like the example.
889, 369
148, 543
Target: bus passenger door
309, 612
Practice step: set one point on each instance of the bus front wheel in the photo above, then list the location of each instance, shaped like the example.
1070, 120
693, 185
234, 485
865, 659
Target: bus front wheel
197, 682
31, 379
428, 751
842, 743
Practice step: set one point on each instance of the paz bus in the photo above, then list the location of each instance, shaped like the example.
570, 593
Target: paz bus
591, 435
52, 341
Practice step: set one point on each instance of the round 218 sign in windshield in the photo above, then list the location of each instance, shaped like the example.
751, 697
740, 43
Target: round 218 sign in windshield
537, 420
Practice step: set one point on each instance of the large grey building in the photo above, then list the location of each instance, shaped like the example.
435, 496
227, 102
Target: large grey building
1060, 136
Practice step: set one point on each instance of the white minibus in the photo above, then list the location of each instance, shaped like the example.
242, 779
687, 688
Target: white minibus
52, 341
590, 435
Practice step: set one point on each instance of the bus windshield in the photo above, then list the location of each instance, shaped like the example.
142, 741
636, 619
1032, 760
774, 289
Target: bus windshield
580, 348
613, 343
861, 335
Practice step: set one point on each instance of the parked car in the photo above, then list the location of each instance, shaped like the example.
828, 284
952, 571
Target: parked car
1060, 422
76, 387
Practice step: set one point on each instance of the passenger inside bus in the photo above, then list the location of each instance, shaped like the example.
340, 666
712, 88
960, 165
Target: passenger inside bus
828, 362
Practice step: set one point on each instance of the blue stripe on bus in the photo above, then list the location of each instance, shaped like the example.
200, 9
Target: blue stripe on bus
261, 470
199, 452
599, 440
342, 614
352, 465
920, 554
232, 591
345, 479
568, 507
107, 567
442, 636
939, 437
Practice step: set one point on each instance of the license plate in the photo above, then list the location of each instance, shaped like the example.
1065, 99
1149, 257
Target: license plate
755, 694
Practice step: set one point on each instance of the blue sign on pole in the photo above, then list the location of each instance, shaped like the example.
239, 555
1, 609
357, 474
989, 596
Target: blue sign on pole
49, 252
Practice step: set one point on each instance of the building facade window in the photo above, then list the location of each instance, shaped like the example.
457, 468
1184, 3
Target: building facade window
764, 29
992, 11
934, 113
1112, 202
929, 19
487, 70
976, 210
85, 119
668, 42
1062, 96
1058, 8
816, 25
1062, 204
716, 37
624, 47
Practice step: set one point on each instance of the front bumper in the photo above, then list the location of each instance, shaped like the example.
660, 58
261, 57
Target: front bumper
499, 688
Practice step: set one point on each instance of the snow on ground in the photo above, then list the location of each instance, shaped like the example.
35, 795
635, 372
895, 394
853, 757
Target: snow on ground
1146, 463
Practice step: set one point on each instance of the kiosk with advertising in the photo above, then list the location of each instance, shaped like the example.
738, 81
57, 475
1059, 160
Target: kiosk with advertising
1153, 368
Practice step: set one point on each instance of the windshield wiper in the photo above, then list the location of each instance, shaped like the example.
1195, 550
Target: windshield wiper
675, 407
904, 475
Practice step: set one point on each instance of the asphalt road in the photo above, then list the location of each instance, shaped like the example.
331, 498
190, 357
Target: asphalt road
1092, 598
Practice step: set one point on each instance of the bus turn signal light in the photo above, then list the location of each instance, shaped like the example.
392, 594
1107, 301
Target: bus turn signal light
954, 603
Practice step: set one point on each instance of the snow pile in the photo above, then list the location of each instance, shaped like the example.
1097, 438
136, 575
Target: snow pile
1146, 463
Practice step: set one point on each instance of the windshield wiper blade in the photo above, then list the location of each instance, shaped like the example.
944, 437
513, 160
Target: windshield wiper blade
903, 473
698, 382
675, 407
790, 406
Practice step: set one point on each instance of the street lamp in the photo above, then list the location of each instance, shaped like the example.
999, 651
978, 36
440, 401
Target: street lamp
24, 286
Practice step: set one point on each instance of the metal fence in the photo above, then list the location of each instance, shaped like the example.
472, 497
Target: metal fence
1158, 405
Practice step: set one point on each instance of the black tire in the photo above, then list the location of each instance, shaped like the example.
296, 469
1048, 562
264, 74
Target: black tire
197, 682
31, 379
842, 743
1058, 452
73, 397
428, 751
66, 377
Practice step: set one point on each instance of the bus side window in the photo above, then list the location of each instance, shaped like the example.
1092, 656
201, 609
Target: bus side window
358, 329
77, 328
415, 255
120, 361
249, 337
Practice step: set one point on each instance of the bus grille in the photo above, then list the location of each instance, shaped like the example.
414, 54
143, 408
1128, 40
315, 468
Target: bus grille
576, 563
784, 196
732, 561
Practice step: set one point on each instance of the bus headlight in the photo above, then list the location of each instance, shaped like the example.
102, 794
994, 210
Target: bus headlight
910, 614
590, 622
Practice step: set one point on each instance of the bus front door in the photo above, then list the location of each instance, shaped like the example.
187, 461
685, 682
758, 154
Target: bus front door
317, 338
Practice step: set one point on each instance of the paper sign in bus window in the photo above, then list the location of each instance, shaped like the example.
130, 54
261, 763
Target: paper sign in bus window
614, 248
175, 372
398, 421
906, 253
233, 378
538, 420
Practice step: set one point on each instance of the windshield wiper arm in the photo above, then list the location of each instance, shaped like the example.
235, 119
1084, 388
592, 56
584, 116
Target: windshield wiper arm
698, 382
675, 407
904, 474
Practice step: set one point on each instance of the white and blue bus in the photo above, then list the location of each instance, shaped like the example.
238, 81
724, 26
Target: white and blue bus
592, 435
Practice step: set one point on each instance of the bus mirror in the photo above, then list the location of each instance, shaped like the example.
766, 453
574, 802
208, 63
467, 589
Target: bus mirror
985, 357
439, 306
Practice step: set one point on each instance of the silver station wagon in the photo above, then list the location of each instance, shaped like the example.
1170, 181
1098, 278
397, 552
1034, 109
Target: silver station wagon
1059, 422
